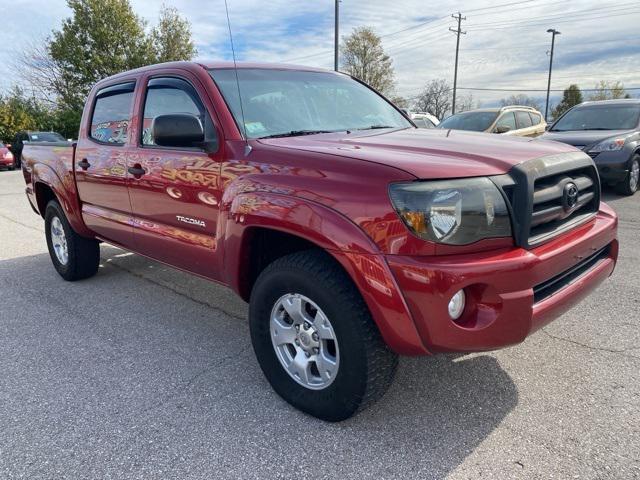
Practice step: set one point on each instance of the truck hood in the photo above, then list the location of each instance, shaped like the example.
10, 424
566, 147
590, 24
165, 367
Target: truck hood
427, 153
584, 138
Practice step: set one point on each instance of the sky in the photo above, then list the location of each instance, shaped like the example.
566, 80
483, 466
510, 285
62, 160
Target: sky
505, 47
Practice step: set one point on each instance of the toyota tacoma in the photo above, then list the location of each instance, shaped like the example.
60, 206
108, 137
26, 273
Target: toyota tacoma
354, 236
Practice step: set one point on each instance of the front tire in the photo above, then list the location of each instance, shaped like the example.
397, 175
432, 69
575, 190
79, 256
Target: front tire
74, 257
630, 184
314, 337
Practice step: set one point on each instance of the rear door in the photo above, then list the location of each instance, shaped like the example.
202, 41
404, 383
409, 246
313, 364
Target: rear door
101, 164
175, 201
525, 126
538, 125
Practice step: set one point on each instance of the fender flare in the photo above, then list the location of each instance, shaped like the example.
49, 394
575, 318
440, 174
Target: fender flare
334, 233
65, 192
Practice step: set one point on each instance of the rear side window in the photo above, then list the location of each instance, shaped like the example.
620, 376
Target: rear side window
535, 118
112, 114
524, 120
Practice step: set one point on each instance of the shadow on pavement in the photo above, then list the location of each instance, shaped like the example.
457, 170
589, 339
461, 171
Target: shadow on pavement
131, 376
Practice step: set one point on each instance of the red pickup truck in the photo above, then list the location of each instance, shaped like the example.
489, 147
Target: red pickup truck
354, 236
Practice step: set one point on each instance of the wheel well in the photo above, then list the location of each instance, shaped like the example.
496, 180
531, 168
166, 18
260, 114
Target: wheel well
44, 194
263, 246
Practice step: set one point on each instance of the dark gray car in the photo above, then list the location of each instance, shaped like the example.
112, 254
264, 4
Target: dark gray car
609, 131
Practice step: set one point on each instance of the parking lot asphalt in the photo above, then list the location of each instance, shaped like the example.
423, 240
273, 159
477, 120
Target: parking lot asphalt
147, 372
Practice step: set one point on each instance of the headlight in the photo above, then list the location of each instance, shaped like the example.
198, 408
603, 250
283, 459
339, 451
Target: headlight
609, 145
455, 212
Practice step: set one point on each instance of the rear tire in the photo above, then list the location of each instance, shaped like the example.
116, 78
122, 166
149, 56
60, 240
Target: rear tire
74, 257
363, 365
630, 184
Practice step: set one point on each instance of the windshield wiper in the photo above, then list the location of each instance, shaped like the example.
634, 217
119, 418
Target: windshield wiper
377, 127
296, 133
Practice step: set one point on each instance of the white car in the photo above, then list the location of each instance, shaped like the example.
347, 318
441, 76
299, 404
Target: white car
424, 120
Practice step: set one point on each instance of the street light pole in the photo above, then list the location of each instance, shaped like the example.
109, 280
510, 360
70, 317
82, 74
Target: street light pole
553, 33
336, 38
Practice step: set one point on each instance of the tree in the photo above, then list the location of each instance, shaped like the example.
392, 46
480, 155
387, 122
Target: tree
570, 97
399, 101
18, 112
102, 38
608, 91
466, 102
435, 98
171, 38
364, 58
521, 99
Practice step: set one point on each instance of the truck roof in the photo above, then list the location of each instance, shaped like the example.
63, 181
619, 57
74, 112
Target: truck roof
213, 65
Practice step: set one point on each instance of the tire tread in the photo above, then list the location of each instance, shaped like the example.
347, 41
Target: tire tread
381, 361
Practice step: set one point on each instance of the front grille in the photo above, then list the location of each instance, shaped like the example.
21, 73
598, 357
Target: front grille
536, 192
552, 211
593, 154
545, 289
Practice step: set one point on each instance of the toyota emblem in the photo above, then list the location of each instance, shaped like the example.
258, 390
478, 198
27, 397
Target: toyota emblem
570, 195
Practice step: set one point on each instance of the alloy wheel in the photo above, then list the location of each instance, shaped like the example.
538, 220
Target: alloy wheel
59, 241
304, 341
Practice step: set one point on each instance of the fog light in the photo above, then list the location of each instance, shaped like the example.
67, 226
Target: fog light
456, 305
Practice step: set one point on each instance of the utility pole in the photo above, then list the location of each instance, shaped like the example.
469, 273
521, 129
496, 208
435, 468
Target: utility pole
458, 32
553, 33
336, 38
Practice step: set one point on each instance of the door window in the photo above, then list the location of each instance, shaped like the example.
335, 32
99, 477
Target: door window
535, 118
112, 114
167, 96
523, 118
507, 119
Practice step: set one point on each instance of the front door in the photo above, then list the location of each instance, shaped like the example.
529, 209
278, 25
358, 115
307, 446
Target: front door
101, 165
176, 196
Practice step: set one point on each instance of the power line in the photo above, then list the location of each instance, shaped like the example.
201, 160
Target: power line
417, 92
537, 89
526, 25
493, 7
553, 16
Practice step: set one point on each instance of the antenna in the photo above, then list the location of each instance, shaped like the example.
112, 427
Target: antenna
235, 68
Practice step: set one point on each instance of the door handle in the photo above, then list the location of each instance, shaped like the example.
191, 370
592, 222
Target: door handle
137, 171
84, 164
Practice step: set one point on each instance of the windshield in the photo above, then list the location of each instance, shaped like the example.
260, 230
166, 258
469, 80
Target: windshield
290, 102
599, 117
46, 137
473, 121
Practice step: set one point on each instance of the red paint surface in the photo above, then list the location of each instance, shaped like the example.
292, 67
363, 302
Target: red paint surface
331, 190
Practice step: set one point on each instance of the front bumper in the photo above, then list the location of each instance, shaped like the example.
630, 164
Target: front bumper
503, 288
6, 162
613, 167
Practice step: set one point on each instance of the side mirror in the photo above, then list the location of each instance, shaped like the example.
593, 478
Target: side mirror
177, 130
502, 129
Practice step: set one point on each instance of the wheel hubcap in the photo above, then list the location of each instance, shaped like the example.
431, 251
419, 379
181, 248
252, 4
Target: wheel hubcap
59, 241
634, 176
304, 341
